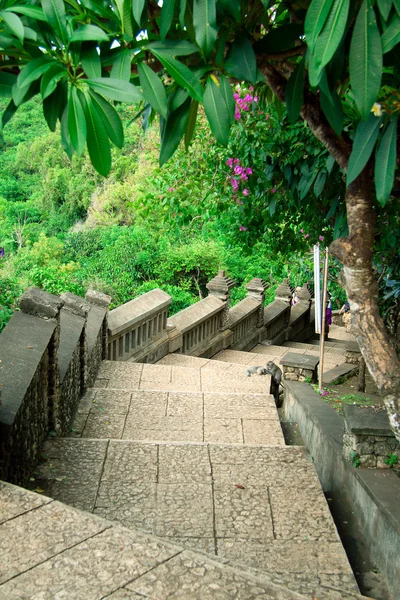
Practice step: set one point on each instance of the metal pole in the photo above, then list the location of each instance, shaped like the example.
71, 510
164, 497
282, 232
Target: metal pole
322, 338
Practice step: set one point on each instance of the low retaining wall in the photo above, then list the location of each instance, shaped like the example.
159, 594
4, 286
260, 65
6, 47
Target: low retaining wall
374, 493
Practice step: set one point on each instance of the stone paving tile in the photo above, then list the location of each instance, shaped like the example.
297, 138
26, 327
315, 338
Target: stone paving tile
131, 504
184, 510
239, 406
223, 431
270, 474
233, 356
111, 401
144, 403
263, 431
124, 383
271, 349
40, 534
16, 501
312, 522
199, 544
185, 376
295, 556
184, 464
129, 462
185, 405
289, 455
78, 425
156, 373
243, 512
311, 585
183, 360
104, 425
211, 381
120, 557
124, 594
85, 403
155, 428
190, 577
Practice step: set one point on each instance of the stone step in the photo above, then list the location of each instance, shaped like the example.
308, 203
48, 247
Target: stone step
262, 354
51, 550
339, 371
179, 416
329, 348
259, 506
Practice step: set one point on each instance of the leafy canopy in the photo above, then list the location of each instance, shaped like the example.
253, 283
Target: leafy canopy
338, 58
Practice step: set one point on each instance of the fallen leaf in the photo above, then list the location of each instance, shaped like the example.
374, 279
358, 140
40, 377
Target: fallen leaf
39, 490
240, 486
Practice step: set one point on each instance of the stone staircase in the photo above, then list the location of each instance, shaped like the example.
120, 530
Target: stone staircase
189, 450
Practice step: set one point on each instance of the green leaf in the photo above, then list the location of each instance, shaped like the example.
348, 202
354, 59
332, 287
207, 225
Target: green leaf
110, 118
33, 12
91, 63
50, 79
124, 9
295, 92
279, 39
121, 68
65, 139
167, 16
76, 122
397, 6
217, 112
182, 10
314, 74
97, 138
153, 89
331, 105
391, 36
173, 47
227, 94
115, 89
365, 59
384, 8
385, 163
137, 9
30, 34
8, 113
315, 20
205, 24
178, 99
241, 63
320, 183
174, 129
7, 80
232, 8
364, 141
100, 8
182, 75
88, 33
33, 70
51, 108
13, 23
331, 35
55, 15
191, 124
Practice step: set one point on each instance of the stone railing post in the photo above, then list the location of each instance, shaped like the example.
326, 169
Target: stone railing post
284, 291
256, 289
102, 300
304, 297
78, 306
220, 287
38, 303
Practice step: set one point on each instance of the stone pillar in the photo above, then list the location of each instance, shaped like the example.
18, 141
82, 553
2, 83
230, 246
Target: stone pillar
220, 287
284, 291
256, 289
304, 297
78, 306
102, 300
46, 306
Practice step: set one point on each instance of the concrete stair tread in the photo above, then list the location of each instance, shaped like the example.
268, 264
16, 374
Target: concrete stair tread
262, 354
108, 560
178, 416
342, 370
240, 501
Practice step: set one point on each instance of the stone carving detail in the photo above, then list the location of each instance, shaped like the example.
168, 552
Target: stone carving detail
284, 291
220, 287
256, 289
303, 295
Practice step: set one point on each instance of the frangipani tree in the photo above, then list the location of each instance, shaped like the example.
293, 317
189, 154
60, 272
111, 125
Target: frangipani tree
335, 63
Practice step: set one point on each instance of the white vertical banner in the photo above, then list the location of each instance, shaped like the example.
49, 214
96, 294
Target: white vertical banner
317, 289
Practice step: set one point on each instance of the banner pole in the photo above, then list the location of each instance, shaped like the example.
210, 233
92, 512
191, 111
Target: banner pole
322, 337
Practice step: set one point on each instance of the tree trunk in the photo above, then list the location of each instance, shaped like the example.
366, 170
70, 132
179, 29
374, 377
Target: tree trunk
361, 374
355, 252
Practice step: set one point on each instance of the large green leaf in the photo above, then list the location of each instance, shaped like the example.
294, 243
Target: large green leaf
167, 16
241, 63
217, 112
173, 131
76, 122
115, 89
33, 70
364, 141
317, 14
50, 79
191, 124
125, 13
173, 47
34, 12
13, 23
55, 15
110, 118
121, 68
137, 9
295, 92
385, 163
384, 8
65, 138
153, 89
391, 36
231, 7
88, 33
9, 112
97, 138
177, 99
182, 75
101, 9
205, 24
51, 107
227, 93
7, 80
314, 74
365, 59
182, 10
332, 107
90, 60
331, 35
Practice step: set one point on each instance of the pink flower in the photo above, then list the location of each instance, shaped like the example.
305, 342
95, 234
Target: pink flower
237, 114
249, 171
251, 88
323, 393
236, 161
242, 228
245, 192
306, 236
255, 99
321, 238
267, 116
234, 184
238, 170
236, 96
171, 189
243, 177
229, 162
273, 190
383, 258
302, 230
